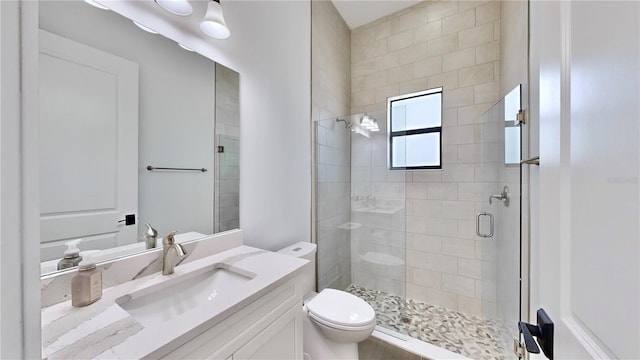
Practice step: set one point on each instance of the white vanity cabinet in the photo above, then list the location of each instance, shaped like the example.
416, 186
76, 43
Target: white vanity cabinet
268, 328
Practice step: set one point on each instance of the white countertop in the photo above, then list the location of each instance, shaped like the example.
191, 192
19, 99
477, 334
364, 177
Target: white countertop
104, 330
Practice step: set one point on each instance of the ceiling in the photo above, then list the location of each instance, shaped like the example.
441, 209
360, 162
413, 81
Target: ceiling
360, 12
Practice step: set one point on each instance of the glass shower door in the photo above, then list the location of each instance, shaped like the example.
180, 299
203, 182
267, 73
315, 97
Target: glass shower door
502, 301
378, 234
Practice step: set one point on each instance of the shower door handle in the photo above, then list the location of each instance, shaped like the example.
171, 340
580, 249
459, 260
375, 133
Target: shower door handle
483, 235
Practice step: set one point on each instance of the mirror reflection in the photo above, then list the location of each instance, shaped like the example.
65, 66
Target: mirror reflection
512, 126
134, 130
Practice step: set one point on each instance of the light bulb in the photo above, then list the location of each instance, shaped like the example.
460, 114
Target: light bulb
185, 47
149, 30
95, 4
176, 7
213, 23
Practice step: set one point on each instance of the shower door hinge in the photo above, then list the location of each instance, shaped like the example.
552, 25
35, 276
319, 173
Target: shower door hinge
518, 348
520, 118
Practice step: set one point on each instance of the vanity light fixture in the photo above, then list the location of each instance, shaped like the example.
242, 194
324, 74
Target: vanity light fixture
185, 47
149, 30
96, 4
213, 23
176, 7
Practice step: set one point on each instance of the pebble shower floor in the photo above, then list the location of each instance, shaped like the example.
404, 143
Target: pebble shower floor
470, 336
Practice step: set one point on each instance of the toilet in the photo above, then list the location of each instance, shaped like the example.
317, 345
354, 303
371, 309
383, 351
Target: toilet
334, 321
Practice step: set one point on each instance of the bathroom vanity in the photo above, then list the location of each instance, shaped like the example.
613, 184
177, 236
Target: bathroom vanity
241, 303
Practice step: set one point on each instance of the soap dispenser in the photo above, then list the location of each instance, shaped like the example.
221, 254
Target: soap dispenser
86, 286
71, 255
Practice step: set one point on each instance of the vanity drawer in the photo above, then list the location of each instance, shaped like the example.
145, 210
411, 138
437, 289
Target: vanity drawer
224, 339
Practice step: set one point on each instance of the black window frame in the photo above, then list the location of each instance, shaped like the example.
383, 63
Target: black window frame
393, 134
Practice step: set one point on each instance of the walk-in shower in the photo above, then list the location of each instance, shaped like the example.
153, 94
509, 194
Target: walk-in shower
418, 245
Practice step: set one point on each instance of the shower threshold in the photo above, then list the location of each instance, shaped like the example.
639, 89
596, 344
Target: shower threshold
415, 346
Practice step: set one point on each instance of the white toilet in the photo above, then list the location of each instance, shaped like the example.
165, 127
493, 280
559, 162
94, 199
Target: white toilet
334, 321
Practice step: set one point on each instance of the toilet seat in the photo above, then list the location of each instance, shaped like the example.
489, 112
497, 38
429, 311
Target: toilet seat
340, 310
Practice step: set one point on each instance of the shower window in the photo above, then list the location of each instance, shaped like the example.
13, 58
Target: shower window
415, 130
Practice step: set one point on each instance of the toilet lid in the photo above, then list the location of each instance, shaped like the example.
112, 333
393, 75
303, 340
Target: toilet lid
341, 308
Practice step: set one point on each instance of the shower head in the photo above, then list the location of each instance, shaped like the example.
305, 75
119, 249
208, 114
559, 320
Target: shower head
347, 123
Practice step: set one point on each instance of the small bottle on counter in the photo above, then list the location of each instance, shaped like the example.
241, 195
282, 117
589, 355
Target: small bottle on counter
71, 255
86, 287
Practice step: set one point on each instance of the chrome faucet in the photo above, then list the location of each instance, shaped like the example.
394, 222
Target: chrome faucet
170, 250
149, 237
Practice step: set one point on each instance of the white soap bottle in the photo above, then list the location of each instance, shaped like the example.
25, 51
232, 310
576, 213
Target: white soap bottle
86, 286
71, 255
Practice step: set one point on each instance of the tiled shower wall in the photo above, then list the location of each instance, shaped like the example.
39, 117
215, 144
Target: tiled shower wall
331, 97
227, 196
456, 45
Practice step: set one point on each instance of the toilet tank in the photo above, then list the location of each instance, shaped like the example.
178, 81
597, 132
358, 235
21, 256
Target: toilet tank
304, 250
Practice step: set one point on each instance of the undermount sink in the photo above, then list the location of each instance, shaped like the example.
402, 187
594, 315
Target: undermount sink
171, 298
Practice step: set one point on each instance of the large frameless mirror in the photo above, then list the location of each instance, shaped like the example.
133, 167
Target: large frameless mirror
134, 129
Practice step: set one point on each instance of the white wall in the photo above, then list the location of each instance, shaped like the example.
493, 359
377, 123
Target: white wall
10, 214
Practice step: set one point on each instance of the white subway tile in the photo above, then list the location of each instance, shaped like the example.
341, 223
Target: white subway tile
447, 80
488, 12
442, 298
470, 268
472, 114
475, 75
443, 45
458, 59
417, 259
416, 191
488, 52
441, 9
458, 285
421, 242
458, 210
460, 21
442, 263
427, 208
427, 67
400, 40
414, 85
412, 53
459, 247
426, 278
427, 176
416, 292
403, 22
470, 305
469, 153
442, 191
476, 36
458, 173
417, 224
426, 32
458, 97
400, 74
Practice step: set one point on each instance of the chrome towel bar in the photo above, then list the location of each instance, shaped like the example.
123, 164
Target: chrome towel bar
152, 168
